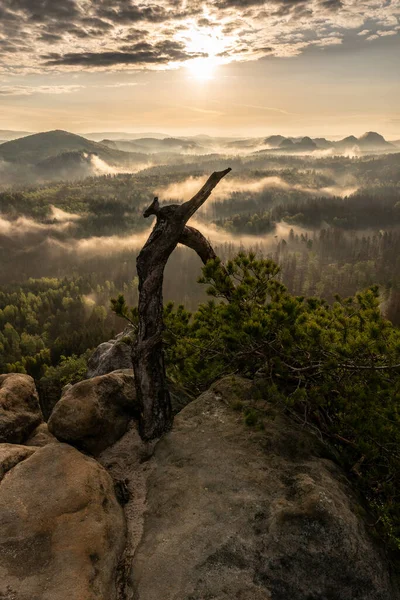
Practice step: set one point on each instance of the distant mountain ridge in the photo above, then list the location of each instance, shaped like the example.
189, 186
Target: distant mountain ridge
43, 148
369, 141
6, 135
121, 135
36, 148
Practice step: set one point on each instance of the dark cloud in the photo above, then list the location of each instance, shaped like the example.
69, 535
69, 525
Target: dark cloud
204, 22
243, 4
133, 35
96, 23
138, 54
331, 5
284, 8
50, 38
123, 12
43, 10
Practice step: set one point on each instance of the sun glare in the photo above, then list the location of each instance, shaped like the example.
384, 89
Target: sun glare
210, 43
202, 68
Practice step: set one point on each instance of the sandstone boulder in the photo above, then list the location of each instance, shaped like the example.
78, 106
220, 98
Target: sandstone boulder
11, 455
20, 412
62, 530
251, 513
112, 355
41, 436
93, 414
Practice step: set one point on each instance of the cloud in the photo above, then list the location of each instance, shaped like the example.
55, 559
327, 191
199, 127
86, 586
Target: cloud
164, 53
23, 90
148, 35
100, 167
386, 33
23, 226
122, 84
266, 108
184, 190
61, 216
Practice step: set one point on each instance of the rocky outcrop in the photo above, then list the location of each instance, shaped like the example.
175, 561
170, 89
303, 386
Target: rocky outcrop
41, 436
215, 509
62, 530
19, 407
93, 414
252, 513
112, 355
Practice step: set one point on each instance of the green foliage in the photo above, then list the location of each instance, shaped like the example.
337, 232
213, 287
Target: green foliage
121, 309
47, 326
70, 369
335, 365
251, 417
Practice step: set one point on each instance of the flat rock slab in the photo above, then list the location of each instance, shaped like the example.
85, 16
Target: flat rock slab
238, 513
62, 530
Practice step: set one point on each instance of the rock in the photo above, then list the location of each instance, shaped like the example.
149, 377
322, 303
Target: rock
112, 355
11, 455
236, 512
62, 530
41, 436
93, 414
19, 407
116, 355
128, 462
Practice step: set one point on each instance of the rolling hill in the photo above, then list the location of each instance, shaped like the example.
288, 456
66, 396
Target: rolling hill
39, 147
369, 142
122, 135
373, 141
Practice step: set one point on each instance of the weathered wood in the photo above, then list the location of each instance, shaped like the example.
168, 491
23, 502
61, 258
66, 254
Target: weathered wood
148, 358
192, 238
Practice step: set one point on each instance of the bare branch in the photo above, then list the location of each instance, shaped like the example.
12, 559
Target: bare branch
192, 238
153, 209
147, 356
189, 208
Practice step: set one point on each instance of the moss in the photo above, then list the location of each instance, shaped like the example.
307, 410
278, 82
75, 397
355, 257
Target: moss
251, 417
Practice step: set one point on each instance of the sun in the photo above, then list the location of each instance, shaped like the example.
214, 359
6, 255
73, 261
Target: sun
208, 44
202, 69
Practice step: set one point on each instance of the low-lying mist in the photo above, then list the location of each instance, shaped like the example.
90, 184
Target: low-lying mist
184, 190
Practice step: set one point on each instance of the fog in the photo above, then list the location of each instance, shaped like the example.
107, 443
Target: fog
184, 190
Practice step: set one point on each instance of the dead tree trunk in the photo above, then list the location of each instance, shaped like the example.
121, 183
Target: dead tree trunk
148, 359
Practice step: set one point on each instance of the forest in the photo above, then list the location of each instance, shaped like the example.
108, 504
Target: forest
68, 247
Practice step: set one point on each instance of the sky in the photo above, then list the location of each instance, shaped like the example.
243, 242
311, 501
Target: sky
185, 67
